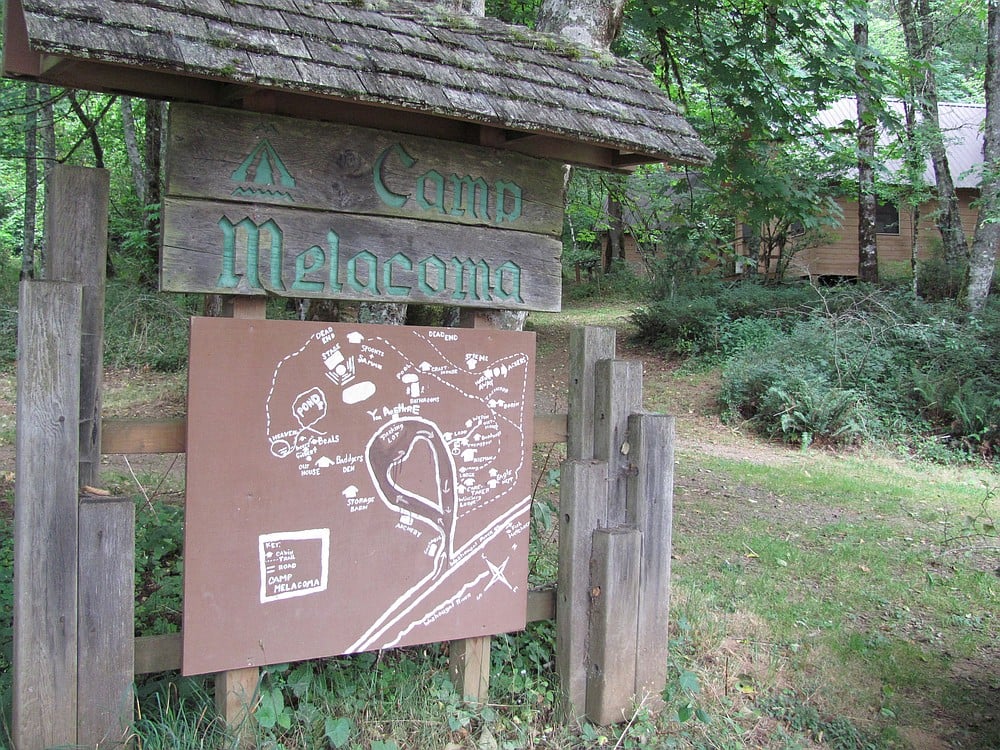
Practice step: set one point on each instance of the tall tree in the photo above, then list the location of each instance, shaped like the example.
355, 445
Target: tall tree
867, 240
154, 183
983, 258
136, 165
30, 179
919, 33
592, 23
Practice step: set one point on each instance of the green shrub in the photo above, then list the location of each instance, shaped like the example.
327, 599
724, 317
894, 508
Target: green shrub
873, 365
146, 329
700, 316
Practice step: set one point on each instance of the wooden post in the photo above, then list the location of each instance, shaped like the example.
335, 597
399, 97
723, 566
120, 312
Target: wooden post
45, 521
650, 509
587, 346
618, 393
583, 493
469, 665
469, 658
76, 231
236, 690
235, 696
614, 592
106, 620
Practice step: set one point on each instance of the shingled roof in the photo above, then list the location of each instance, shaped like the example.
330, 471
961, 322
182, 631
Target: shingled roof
438, 73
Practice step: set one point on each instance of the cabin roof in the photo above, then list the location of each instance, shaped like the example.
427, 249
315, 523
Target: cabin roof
406, 66
961, 125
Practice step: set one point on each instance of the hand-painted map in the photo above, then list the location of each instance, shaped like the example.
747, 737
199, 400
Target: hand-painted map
352, 488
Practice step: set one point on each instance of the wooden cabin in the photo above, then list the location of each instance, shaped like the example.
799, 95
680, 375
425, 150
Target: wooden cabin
895, 225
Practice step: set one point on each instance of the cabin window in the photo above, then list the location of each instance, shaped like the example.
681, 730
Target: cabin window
886, 218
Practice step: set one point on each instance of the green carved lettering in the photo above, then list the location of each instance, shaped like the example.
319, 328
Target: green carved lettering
515, 194
423, 277
472, 280
390, 288
315, 257
396, 200
370, 284
470, 197
437, 184
507, 282
228, 279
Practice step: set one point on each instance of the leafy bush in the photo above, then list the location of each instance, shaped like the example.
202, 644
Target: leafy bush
700, 316
146, 329
875, 365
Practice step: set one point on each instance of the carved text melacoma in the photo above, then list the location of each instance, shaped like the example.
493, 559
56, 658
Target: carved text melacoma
322, 271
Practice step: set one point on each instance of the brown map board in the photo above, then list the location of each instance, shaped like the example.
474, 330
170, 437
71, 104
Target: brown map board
353, 487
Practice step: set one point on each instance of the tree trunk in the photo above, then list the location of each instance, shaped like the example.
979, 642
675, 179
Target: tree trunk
154, 184
139, 178
592, 23
983, 258
616, 232
867, 241
90, 124
920, 47
30, 179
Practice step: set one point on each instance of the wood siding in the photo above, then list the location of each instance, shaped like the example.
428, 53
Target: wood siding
840, 256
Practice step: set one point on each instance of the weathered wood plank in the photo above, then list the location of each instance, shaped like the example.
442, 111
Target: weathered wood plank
170, 435
650, 509
232, 248
157, 653
583, 492
469, 664
76, 233
106, 616
618, 393
587, 345
144, 436
614, 590
45, 524
227, 154
162, 653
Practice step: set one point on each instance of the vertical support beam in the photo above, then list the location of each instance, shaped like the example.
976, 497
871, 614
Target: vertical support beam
650, 510
77, 236
614, 590
469, 658
235, 696
45, 521
236, 690
106, 621
587, 346
583, 502
469, 664
618, 393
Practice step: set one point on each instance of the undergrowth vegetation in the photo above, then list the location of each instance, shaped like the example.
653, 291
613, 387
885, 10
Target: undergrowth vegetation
843, 364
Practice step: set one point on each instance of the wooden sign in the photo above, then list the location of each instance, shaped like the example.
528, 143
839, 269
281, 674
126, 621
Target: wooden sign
352, 488
257, 204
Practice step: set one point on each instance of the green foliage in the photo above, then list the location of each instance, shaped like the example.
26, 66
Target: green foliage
874, 365
146, 329
839, 733
159, 542
706, 316
175, 712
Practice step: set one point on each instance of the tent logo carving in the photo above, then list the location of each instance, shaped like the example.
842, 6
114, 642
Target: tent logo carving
263, 174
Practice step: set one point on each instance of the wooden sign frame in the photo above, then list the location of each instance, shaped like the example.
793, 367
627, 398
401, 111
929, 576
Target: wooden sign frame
258, 204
